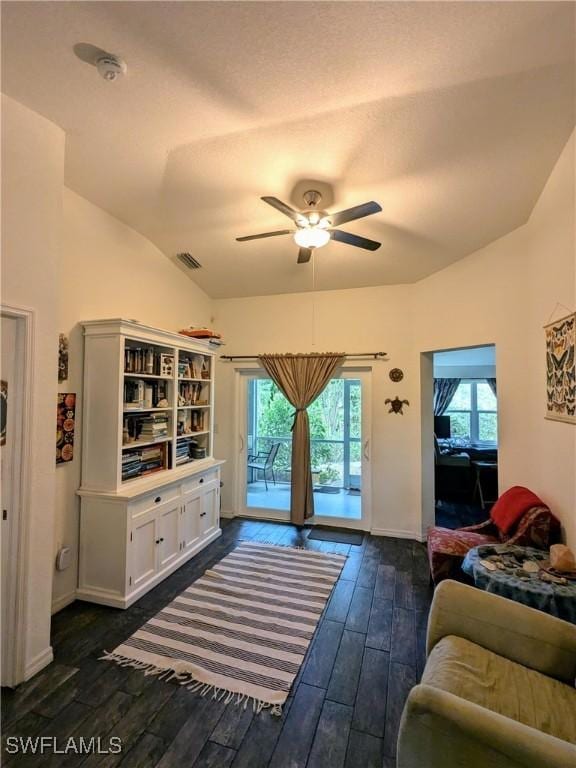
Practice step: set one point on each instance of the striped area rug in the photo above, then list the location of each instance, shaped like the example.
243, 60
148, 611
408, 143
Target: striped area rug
241, 631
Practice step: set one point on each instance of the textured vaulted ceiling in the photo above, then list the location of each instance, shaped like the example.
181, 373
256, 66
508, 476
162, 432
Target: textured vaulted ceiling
450, 115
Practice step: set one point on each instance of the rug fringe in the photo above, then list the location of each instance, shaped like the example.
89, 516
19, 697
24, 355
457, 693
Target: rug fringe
194, 685
298, 547
275, 544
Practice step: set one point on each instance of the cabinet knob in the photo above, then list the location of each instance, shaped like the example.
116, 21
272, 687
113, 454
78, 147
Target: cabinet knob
158, 499
159, 540
201, 480
202, 514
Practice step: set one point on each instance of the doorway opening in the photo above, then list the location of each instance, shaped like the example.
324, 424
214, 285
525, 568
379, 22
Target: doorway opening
465, 407
15, 451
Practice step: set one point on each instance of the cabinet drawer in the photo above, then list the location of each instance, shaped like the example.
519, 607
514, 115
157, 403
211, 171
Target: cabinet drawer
152, 500
200, 480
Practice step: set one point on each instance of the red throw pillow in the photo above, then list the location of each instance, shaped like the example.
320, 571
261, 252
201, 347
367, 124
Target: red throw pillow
511, 506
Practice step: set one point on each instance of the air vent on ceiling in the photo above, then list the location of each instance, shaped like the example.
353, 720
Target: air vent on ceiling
188, 260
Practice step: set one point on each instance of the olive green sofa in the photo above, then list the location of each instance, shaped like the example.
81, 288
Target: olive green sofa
497, 690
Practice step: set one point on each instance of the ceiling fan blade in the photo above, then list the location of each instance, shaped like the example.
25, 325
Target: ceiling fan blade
304, 255
283, 208
349, 239
264, 234
357, 212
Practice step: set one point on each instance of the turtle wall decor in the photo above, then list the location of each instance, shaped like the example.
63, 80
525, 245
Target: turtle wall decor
396, 405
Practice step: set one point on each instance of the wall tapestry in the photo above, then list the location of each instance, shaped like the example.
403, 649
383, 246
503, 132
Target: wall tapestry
62, 357
65, 422
3, 411
561, 369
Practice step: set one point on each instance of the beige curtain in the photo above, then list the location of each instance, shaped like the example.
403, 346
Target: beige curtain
301, 378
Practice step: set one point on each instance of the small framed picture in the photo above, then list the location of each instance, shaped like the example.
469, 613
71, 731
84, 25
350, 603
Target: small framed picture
62, 357
65, 424
166, 365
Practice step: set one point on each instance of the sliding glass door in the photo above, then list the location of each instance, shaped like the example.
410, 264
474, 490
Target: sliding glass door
339, 449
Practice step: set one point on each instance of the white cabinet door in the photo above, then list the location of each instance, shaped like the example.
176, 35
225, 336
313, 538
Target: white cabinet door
143, 549
168, 540
190, 520
209, 513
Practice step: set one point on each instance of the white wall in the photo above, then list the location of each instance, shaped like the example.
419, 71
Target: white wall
502, 294
464, 371
371, 319
107, 270
469, 363
32, 181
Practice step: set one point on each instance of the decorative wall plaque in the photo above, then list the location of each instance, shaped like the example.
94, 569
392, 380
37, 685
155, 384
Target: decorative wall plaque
561, 369
62, 357
65, 423
396, 405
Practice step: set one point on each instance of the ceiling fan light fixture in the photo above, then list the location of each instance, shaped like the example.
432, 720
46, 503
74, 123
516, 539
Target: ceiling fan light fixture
315, 228
311, 237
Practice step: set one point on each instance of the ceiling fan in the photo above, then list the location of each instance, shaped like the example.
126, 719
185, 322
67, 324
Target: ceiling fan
315, 228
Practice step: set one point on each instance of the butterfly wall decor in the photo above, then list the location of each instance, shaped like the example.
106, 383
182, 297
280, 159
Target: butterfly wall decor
561, 369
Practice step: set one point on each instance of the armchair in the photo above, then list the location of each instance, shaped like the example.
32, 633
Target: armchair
518, 517
497, 689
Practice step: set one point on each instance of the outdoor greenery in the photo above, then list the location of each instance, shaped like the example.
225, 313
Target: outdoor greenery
275, 415
468, 405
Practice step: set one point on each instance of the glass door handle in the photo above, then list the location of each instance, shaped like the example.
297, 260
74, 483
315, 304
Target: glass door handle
366, 451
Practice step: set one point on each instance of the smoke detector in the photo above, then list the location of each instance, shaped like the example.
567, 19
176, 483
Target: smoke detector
110, 67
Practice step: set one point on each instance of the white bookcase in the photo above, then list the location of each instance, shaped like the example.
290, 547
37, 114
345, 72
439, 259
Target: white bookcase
150, 492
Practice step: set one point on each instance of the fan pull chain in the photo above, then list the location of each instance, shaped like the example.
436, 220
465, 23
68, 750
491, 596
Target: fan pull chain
313, 297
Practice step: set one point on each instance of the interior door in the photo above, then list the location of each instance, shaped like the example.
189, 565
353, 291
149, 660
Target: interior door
190, 520
169, 544
144, 546
209, 509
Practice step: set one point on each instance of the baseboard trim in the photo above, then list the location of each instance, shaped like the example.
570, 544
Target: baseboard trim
394, 533
38, 663
283, 517
116, 599
63, 601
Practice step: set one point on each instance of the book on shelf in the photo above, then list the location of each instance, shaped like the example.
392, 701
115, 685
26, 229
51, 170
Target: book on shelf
149, 361
145, 428
192, 366
143, 461
190, 393
182, 454
140, 394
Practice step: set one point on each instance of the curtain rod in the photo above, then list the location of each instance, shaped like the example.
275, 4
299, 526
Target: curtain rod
350, 355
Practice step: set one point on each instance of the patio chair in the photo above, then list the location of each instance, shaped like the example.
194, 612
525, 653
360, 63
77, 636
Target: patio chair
264, 461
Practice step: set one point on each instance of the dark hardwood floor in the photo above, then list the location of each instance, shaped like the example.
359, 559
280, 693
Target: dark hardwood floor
344, 708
